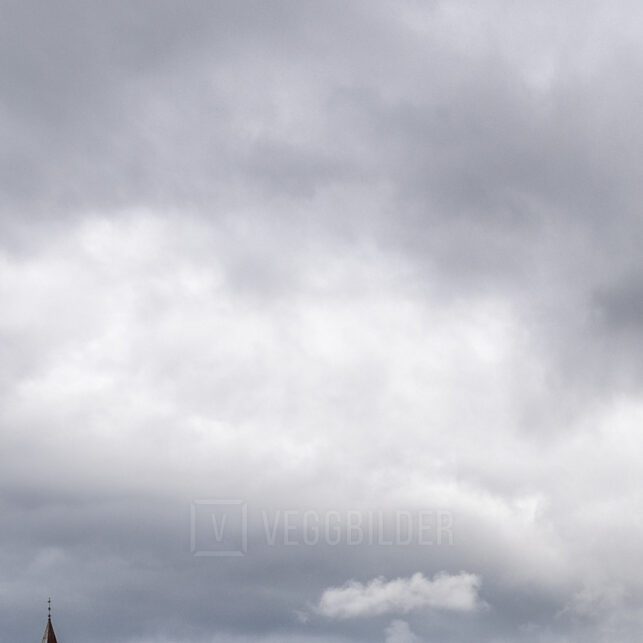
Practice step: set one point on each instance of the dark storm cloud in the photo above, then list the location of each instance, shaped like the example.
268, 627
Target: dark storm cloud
319, 254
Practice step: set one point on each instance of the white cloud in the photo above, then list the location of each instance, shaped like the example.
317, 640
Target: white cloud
457, 592
400, 632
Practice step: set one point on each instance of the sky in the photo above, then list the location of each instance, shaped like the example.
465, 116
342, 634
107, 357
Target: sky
321, 321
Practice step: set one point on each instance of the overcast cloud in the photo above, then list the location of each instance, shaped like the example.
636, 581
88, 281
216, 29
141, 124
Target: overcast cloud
334, 261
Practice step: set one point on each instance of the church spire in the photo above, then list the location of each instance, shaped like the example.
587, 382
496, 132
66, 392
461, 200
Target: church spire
49, 636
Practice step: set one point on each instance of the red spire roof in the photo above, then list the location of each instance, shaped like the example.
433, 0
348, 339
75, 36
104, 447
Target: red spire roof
49, 636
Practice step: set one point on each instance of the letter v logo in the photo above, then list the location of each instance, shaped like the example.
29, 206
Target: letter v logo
218, 526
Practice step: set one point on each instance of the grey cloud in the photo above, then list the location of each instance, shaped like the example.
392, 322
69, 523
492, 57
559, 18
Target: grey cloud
319, 255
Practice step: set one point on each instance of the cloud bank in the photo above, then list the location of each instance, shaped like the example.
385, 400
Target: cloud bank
320, 257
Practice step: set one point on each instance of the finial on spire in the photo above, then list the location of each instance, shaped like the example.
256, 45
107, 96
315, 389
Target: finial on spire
49, 636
